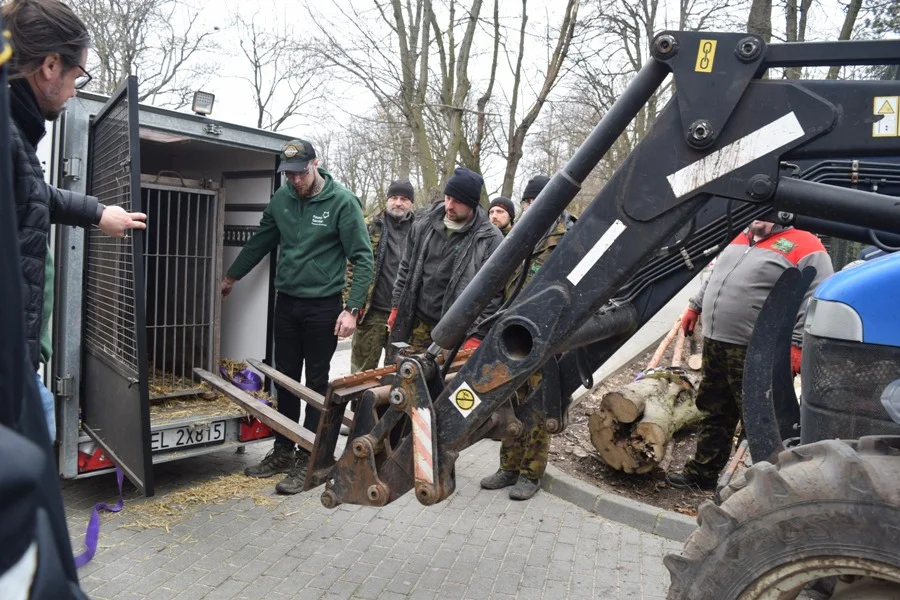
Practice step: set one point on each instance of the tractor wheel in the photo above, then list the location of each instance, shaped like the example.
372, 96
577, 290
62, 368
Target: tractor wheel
826, 516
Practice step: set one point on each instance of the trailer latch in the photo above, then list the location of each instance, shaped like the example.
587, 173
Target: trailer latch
213, 129
64, 386
71, 168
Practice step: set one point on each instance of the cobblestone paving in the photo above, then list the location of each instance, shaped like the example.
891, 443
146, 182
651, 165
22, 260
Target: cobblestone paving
477, 544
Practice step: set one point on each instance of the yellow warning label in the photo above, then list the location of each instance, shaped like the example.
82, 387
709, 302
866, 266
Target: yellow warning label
706, 54
465, 399
884, 110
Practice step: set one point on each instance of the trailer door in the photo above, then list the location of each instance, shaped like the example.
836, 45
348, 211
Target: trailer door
116, 406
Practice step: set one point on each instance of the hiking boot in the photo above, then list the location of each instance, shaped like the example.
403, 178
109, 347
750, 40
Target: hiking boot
525, 488
688, 481
296, 477
279, 460
499, 480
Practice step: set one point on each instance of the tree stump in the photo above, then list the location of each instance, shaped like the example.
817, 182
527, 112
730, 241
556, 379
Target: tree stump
635, 423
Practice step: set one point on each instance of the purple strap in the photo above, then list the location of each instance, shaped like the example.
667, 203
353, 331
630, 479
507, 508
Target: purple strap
92, 534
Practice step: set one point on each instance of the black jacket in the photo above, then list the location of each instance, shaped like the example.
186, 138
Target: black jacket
479, 242
37, 205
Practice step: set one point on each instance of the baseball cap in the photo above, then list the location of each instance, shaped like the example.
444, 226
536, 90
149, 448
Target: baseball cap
295, 156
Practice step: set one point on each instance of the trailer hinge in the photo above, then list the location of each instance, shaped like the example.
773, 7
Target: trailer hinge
71, 168
65, 386
212, 129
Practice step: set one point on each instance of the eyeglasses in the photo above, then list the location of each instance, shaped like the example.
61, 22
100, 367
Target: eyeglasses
82, 80
303, 173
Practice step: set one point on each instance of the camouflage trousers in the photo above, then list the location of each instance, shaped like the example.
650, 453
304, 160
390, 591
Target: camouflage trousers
420, 337
370, 339
526, 454
721, 397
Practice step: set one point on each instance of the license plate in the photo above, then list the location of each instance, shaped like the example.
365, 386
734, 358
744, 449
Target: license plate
182, 437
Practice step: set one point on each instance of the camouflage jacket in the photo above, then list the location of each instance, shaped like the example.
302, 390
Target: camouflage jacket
542, 251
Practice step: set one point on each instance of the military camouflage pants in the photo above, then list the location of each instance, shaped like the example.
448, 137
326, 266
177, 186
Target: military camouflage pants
721, 397
420, 337
527, 454
370, 339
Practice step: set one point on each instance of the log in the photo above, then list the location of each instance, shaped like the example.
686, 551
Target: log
678, 353
635, 423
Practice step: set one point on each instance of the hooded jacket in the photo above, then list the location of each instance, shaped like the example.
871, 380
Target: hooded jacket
38, 204
472, 247
731, 298
318, 236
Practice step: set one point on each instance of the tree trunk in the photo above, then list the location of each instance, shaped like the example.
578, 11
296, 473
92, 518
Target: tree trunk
760, 19
635, 423
846, 31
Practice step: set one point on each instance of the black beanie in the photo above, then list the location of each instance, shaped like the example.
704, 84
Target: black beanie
401, 187
507, 205
534, 187
465, 186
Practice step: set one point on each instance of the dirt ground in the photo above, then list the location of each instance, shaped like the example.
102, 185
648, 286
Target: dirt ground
573, 452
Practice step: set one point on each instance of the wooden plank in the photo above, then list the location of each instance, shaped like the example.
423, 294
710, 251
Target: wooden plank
268, 415
315, 399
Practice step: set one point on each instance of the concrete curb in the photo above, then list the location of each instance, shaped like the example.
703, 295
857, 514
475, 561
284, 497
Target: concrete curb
643, 517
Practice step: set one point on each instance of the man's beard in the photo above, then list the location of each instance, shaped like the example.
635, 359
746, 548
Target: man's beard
398, 213
50, 112
457, 217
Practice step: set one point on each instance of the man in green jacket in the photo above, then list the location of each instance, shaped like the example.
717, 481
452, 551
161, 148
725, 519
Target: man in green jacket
319, 226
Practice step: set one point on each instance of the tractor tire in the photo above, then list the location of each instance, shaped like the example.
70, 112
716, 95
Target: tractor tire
825, 510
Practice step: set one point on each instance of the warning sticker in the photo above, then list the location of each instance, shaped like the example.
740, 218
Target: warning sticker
465, 399
706, 54
885, 110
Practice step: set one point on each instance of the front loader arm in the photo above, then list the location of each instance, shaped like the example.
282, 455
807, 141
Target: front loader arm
713, 162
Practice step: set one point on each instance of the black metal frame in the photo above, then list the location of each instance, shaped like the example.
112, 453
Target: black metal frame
117, 406
712, 162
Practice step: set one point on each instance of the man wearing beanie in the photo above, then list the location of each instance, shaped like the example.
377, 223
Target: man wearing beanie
388, 232
318, 226
523, 460
446, 248
502, 214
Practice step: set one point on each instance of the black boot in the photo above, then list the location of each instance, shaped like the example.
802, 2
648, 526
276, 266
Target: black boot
296, 477
499, 480
688, 480
525, 488
279, 460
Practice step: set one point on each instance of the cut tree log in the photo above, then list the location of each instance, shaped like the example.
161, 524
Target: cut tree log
678, 352
635, 423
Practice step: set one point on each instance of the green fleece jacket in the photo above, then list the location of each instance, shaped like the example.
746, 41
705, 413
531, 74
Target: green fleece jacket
318, 236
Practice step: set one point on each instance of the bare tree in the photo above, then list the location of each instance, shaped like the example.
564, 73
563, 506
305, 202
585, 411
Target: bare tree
759, 20
795, 29
281, 71
518, 129
847, 30
158, 40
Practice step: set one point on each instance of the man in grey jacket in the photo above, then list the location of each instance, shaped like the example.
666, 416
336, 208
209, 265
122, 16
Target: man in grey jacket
446, 248
729, 302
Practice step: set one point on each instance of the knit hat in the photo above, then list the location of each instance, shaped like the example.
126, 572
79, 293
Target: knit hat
465, 186
507, 205
401, 187
534, 187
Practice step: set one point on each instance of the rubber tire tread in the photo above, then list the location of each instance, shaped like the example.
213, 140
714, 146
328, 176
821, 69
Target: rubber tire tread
829, 498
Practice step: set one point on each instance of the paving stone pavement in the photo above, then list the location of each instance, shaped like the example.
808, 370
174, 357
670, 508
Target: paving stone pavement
477, 544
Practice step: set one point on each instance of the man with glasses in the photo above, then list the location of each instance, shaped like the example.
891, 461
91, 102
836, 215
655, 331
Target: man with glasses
50, 45
318, 226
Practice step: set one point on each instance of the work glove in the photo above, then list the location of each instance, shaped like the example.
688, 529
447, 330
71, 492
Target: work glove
796, 358
471, 343
392, 318
689, 320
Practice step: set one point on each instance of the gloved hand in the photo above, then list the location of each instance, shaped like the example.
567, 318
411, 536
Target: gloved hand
471, 343
689, 320
796, 358
392, 318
